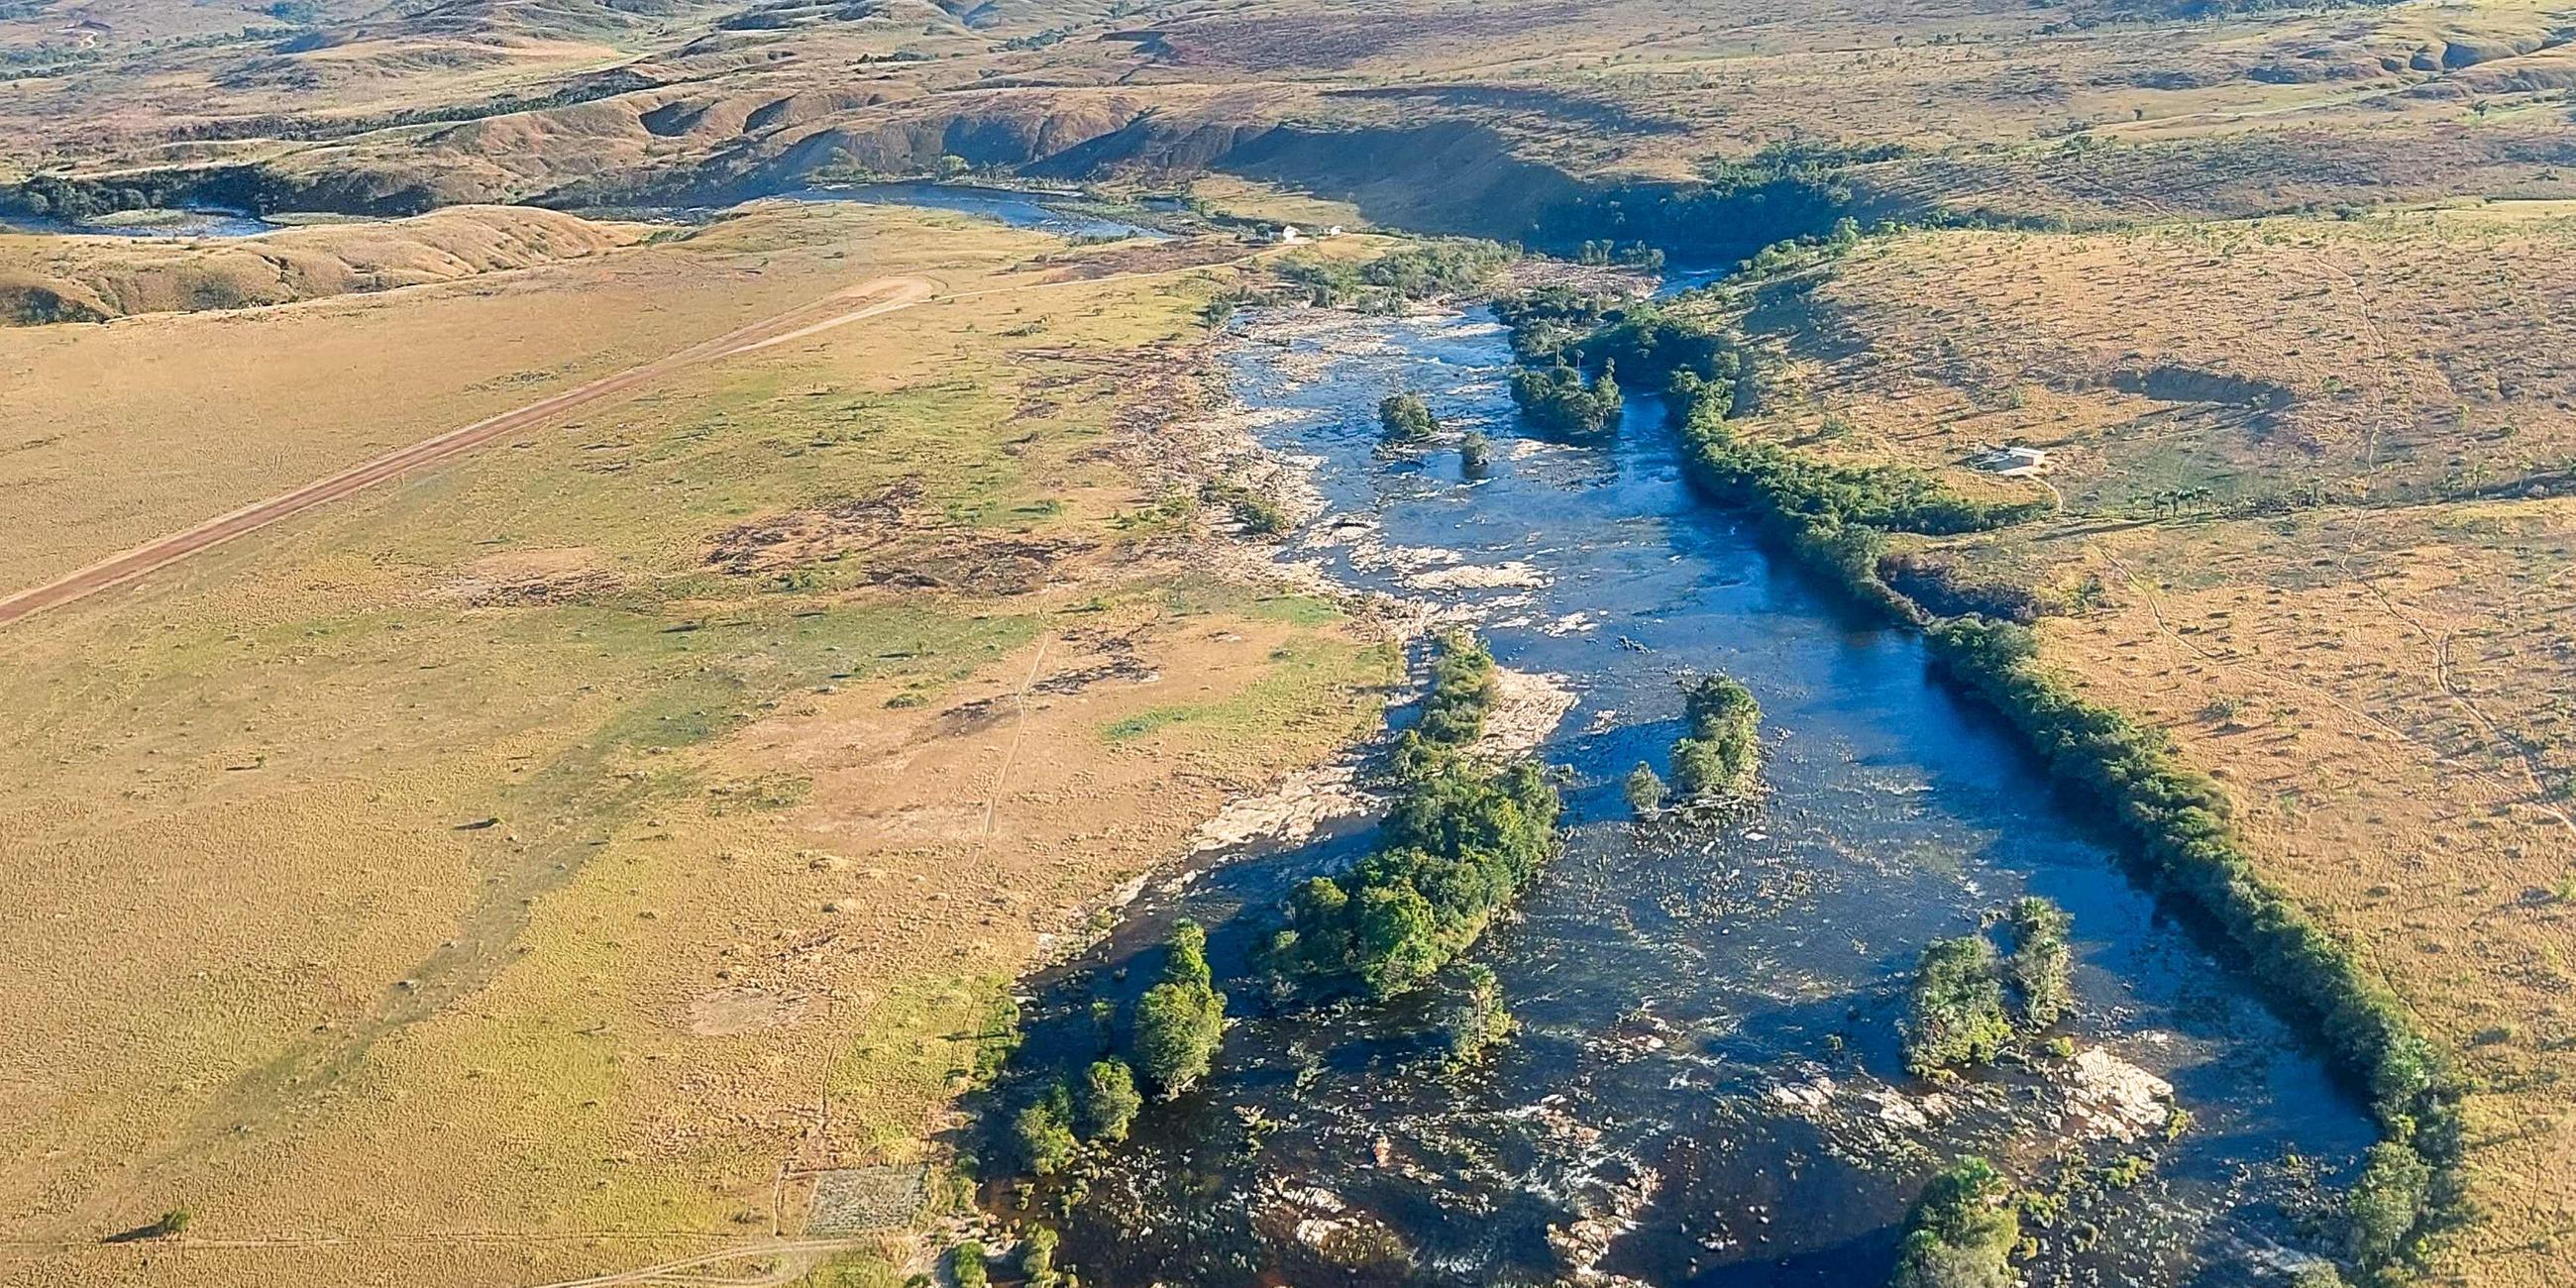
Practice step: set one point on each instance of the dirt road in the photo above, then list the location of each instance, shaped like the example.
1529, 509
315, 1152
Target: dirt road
887, 293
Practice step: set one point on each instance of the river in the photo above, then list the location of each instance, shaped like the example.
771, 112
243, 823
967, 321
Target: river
182, 223
1064, 214
1707, 1086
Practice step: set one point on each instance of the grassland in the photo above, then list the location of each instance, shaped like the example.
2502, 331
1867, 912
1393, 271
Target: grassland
45, 278
580, 855
1501, 119
2316, 523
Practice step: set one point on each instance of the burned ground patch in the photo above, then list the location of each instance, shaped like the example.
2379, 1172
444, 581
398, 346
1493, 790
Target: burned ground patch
801, 537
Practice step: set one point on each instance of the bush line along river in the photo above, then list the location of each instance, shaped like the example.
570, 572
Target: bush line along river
1707, 1084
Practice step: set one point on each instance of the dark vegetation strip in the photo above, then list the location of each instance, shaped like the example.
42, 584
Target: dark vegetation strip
1463, 838
1838, 520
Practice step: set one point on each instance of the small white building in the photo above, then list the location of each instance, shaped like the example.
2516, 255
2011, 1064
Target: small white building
2014, 462
1288, 235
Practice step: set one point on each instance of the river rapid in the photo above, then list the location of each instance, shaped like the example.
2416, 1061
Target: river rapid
1707, 1086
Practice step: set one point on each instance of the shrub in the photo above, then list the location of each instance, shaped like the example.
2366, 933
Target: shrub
1461, 838
1558, 400
1653, 344
1037, 1257
1259, 515
966, 1265
1958, 1008
1109, 1100
1475, 453
2042, 964
1645, 790
1044, 1131
1461, 692
1476, 1021
1961, 1232
1719, 755
1448, 267
1405, 418
2386, 1203
1549, 323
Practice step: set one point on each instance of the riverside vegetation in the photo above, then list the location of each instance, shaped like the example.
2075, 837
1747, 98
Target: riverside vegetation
1462, 837
1177, 1028
1841, 520
1962, 1232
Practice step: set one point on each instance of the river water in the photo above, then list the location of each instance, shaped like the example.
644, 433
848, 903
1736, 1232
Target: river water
1064, 214
1707, 1086
187, 222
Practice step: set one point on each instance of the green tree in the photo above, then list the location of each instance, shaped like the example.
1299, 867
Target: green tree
1476, 1020
1185, 956
1037, 1258
1723, 750
1558, 400
1181, 1021
1462, 836
966, 1265
1462, 691
1398, 942
1405, 418
2042, 965
1320, 921
1961, 1232
1958, 1007
1109, 1100
2386, 1203
1645, 790
1475, 453
1044, 1129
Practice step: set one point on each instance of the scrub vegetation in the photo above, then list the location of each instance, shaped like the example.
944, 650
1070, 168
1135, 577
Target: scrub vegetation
1722, 753
1462, 837
1404, 419
1560, 401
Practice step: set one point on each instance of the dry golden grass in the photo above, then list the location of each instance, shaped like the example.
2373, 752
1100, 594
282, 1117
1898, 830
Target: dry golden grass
767, 834
153, 423
91, 279
2317, 501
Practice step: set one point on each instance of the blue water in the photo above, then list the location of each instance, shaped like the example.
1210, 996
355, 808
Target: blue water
1015, 208
194, 221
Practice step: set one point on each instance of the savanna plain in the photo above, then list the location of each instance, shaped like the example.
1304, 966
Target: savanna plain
555, 685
